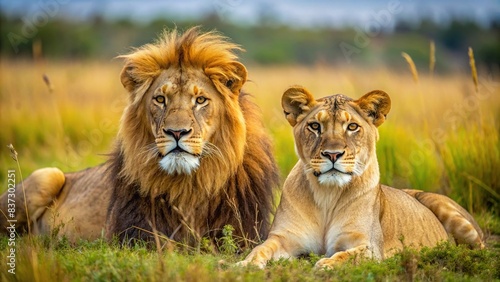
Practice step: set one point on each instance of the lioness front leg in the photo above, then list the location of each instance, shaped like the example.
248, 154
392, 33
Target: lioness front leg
272, 248
343, 256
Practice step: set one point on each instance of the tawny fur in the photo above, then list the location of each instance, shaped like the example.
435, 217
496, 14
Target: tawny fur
44, 185
332, 203
130, 193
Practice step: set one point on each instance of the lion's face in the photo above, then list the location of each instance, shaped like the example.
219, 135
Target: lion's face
182, 118
184, 110
335, 136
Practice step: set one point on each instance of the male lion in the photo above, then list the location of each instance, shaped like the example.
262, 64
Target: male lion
191, 154
332, 202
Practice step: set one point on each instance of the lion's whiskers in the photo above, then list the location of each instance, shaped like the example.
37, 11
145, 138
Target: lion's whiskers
211, 150
150, 150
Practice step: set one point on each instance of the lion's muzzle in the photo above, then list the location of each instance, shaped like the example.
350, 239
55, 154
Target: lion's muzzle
177, 134
178, 151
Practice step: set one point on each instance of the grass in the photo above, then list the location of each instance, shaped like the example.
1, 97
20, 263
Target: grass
441, 135
46, 259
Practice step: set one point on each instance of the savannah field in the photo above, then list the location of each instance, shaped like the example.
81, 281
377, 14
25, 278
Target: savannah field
442, 135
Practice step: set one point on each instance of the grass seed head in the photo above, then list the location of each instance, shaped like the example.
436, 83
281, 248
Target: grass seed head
472, 63
412, 66
432, 57
13, 153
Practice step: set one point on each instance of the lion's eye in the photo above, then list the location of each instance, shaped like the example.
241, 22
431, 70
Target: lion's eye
315, 126
200, 100
160, 99
352, 126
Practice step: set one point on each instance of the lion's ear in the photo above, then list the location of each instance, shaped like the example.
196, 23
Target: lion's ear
231, 77
296, 101
136, 81
235, 83
127, 78
376, 104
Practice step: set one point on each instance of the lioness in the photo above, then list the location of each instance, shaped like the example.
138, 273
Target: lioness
191, 155
332, 202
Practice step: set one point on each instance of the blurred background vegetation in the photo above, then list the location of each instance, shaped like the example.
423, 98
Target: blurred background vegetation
268, 41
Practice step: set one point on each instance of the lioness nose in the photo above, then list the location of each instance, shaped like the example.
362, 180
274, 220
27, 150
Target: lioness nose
333, 156
177, 134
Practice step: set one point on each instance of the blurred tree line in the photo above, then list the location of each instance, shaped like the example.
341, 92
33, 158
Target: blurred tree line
266, 43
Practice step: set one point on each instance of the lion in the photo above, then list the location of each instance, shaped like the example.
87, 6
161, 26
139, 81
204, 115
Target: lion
191, 155
332, 203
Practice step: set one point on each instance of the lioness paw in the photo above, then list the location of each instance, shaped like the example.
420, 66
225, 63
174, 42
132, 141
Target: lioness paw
326, 263
247, 263
329, 263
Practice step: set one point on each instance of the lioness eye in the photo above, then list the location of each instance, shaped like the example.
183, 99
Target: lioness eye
160, 99
314, 126
201, 100
352, 126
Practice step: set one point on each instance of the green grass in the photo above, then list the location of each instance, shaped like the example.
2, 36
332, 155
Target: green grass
45, 259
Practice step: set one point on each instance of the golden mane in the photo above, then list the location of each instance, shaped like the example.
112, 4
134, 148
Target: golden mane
235, 187
209, 51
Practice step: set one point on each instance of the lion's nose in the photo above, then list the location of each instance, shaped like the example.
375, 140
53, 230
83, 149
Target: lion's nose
177, 134
332, 156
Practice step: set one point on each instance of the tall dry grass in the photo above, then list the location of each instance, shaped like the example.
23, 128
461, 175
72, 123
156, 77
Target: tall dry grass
441, 134
60, 114
432, 57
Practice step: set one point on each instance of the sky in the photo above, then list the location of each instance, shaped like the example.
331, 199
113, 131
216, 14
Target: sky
292, 12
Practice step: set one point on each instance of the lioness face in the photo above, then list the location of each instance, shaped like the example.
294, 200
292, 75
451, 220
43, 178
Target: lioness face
183, 112
332, 140
334, 136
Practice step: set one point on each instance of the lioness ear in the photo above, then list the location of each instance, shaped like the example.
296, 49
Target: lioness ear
376, 104
295, 102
